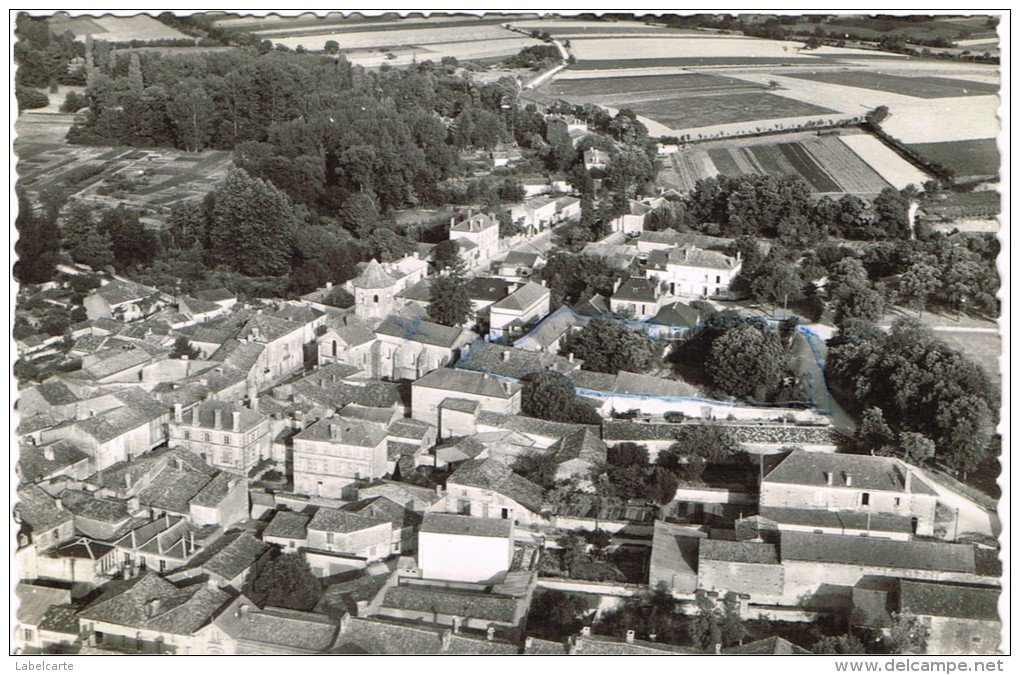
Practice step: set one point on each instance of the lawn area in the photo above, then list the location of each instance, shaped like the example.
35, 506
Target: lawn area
919, 87
968, 159
703, 111
642, 84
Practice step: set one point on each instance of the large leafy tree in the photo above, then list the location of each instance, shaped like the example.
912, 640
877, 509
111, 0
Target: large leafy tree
131, 243
550, 396
748, 361
86, 243
607, 346
287, 582
449, 300
38, 246
252, 225
555, 615
919, 283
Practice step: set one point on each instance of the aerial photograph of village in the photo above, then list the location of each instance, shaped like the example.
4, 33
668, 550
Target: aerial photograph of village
507, 334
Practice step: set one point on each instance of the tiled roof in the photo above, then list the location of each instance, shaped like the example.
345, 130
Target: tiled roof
867, 551
196, 306
466, 382
410, 428
353, 333
460, 405
238, 354
772, 646
401, 493
647, 385
425, 332
118, 291
521, 259
606, 646
738, 551
266, 328
511, 362
385, 508
476, 223
126, 474
83, 548
551, 329
361, 413
863, 472
216, 295
589, 380
377, 635
465, 448
637, 290
493, 475
922, 598
287, 525
592, 305
61, 619
675, 548
677, 314
229, 556
33, 464
40, 420
213, 492
204, 416
489, 289
397, 449
583, 444
527, 425
690, 256
39, 510
373, 277
523, 298
301, 632
347, 432
343, 522
850, 520
112, 361
56, 392
88, 506
180, 611
443, 523
466, 604
35, 601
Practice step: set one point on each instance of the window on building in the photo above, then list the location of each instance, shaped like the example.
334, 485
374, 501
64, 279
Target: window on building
718, 279
896, 501
226, 439
187, 434
162, 565
975, 642
865, 499
334, 347
28, 634
329, 538
206, 436
375, 298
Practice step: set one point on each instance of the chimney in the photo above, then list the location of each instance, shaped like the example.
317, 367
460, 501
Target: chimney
329, 285
243, 611
490, 634
59, 503
345, 622
585, 631
652, 636
506, 355
907, 476
152, 608
439, 491
849, 480
455, 624
630, 637
527, 643
48, 453
235, 419
127, 481
828, 478
570, 357
334, 432
218, 419
253, 403
191, 543
445, 640
178, 413
718, 648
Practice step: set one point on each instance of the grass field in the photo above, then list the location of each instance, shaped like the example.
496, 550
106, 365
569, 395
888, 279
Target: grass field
968, 159
605, 86
918, 87
703, 111
114, 28
979, 204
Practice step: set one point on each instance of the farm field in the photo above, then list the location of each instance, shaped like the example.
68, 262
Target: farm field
893, 168
978, 204
920, 87
684, 62
968, 159
160, 178
690, 46
709, 110
612, 86
409, 36
824, 162
114, 28
34, 127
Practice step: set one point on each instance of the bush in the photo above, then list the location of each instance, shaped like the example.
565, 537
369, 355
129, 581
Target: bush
30, 99
74, 102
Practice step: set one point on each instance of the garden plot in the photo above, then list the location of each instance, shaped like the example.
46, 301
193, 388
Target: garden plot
704, 111
893, 168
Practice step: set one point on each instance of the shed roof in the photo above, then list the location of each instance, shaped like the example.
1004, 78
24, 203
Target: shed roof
443, 523
871, 552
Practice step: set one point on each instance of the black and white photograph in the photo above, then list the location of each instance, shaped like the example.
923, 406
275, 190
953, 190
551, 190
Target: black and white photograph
494, 333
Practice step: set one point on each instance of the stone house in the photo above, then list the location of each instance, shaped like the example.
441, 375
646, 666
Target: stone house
229, 437
333, 453
463, 548
487, 488
429, 392
514, 315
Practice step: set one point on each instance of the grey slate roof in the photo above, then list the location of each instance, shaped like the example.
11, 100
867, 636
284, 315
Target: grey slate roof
89, 506
373, 277
287, 525
181, 611
425, 332
343, 522
738, 551
923, 598
528, 425
493, 475
385, 508
867, 551
522, 298
351, 432
637, 290
511, 362
39, 510
300, 632
444, 523
33, 464
865, 472
118, 291
466, 382
230, 555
